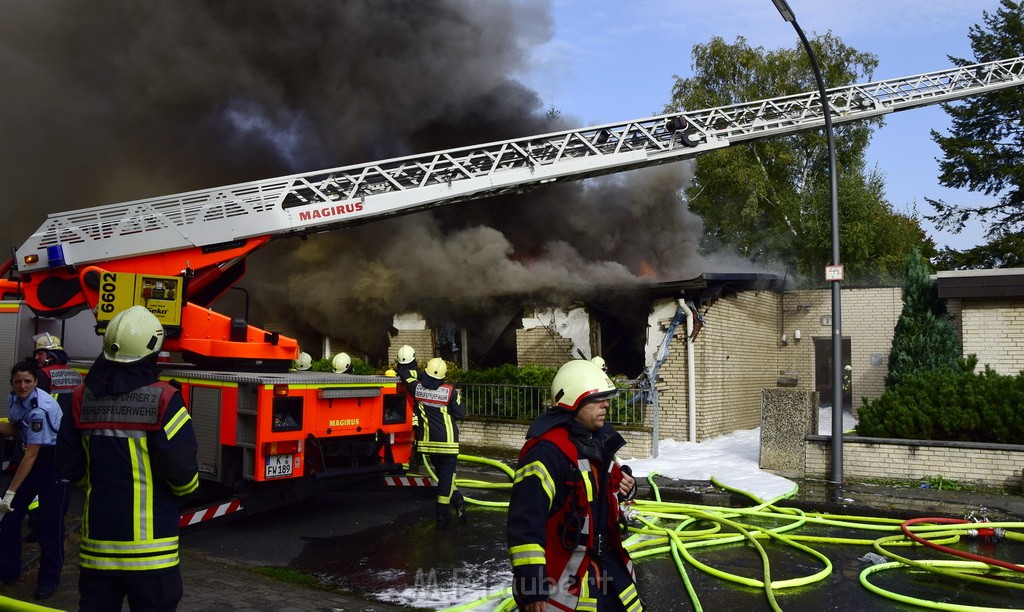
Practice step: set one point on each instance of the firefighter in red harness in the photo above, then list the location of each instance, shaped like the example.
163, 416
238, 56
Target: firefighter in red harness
563, 517
60, 378
131, 446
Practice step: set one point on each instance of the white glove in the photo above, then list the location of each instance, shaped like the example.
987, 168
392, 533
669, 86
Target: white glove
5, 503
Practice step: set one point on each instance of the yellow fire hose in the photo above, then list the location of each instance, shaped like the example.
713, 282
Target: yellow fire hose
679, 529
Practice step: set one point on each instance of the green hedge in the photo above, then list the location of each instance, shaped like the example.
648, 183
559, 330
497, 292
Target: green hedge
531, 375
358, 367
949, 404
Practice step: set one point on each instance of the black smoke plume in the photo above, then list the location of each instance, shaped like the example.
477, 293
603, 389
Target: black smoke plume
115, 100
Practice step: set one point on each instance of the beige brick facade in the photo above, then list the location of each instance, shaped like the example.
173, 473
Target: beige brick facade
739, 352
550, 337
421, 340
737, 355
876, 458
993, 329
540, 346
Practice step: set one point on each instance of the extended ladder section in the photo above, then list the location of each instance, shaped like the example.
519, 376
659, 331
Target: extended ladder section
320, 201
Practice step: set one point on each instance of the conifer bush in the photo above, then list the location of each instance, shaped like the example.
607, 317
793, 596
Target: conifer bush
955, 404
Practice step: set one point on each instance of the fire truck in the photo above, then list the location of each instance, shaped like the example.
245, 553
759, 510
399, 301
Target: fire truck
271, 436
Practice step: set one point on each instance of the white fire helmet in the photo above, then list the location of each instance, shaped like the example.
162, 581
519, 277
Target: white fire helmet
48, 342
406, 354
341, 363
578, 381
133, 334
436, 368
599, 362
303, 362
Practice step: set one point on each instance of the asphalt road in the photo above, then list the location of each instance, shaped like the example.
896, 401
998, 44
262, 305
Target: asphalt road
383, 544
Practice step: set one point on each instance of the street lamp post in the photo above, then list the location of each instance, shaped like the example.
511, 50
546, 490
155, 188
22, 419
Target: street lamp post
835, 277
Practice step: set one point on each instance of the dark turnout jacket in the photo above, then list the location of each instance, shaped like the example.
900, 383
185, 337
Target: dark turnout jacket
130, 444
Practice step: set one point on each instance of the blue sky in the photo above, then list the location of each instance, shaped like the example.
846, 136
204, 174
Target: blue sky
614, 60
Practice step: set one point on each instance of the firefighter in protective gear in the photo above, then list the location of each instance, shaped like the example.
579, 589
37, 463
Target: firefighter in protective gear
406, 366
60, 380
438, 405
406, 369
34, 419
341, 364
563, 517
129, 443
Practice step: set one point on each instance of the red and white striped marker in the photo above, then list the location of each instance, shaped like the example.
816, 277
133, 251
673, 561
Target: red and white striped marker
408, 481
194, 517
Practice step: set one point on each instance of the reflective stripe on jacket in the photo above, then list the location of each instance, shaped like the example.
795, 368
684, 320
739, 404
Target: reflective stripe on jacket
552, 523
436, 412
134, 453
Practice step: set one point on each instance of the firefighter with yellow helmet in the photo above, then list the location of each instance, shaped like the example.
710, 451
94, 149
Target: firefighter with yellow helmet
406, 366
57, 378
563, 529
438, 406
406, 369
129, 443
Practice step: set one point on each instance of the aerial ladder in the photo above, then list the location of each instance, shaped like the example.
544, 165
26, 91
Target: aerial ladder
204, 236
270, 436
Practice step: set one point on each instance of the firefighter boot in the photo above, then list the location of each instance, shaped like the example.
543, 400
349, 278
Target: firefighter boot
460, 508
444, 515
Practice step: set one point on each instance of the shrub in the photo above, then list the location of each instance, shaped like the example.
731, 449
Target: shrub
358, 367
924, 338
949, 404
531, 375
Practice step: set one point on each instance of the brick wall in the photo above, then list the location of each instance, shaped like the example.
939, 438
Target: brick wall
993, 329
868, 319
991, 465
740, 352
736, 356
421, 340
540, 346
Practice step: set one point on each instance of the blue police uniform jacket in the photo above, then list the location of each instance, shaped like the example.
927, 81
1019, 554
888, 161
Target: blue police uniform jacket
37, 418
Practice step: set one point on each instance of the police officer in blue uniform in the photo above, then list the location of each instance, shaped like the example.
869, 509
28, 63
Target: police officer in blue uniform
34, 418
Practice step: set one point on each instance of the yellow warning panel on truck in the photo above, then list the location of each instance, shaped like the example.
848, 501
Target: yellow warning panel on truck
160, 294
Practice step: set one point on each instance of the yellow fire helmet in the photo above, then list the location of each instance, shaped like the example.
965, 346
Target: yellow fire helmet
133, 334
577, 381
436, 368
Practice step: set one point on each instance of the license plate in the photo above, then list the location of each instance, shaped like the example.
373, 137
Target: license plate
278, 466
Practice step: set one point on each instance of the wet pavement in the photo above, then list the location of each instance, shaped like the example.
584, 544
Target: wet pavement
399, 561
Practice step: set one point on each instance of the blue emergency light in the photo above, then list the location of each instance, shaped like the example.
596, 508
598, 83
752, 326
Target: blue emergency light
55, 255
